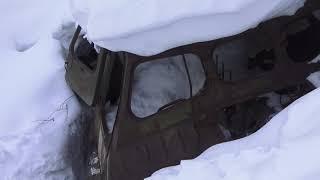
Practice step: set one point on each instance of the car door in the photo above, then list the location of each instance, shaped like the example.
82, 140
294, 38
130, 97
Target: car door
84, 67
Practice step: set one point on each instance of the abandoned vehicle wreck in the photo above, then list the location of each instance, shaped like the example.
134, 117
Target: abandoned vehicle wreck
274, 57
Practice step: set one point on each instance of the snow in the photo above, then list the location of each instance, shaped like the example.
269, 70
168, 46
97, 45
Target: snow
286, 148
150, 27
38, 110
160, 82
314, 78
172, 83
36, 105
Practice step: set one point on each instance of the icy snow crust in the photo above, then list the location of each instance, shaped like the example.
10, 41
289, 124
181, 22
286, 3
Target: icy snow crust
286, 148
150, 27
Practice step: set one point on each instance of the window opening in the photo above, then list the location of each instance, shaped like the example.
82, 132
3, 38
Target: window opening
161, 83
86, 52
238, 60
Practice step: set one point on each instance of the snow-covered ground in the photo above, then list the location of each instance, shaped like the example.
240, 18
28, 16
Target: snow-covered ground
37, 109
36, 105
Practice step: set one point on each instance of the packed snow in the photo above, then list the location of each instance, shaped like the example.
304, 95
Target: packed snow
172, 83
153, 26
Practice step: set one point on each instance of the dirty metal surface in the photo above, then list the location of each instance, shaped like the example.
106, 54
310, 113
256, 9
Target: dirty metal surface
137, 147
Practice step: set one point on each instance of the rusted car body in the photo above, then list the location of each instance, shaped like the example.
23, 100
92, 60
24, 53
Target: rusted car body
182, 129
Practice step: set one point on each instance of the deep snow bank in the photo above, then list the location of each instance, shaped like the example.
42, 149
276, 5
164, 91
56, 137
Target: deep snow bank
286, 148
34, 116
153, 26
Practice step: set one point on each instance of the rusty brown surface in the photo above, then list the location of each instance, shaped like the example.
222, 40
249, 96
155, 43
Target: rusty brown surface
140, 146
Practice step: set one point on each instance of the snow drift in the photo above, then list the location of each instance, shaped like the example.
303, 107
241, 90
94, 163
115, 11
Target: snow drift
286, 148
35, 117
35, 112
150, 27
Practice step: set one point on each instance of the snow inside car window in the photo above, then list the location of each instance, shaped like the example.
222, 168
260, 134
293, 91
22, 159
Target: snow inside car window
159, 82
